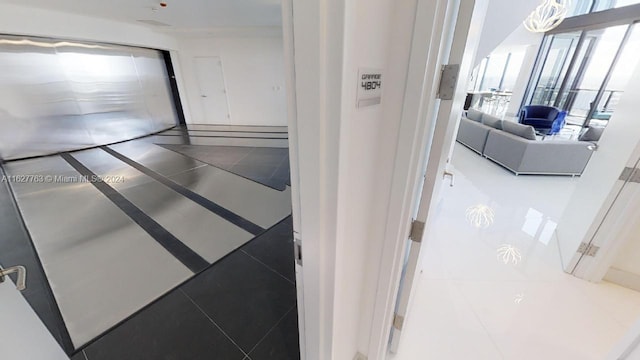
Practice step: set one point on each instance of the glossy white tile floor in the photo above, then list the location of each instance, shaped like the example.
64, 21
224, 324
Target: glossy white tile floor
470, 304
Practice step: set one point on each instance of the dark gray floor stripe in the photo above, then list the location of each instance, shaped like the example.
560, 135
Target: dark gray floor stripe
199, 199
17, 248
235, 131
227, 136
172, 244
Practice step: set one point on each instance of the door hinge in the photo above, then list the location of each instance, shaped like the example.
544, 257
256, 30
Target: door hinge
417, 230
630, 174
448, 81
588, 249
297, 251
398, 321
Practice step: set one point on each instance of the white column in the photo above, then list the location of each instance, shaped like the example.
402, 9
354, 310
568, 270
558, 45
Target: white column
523, 80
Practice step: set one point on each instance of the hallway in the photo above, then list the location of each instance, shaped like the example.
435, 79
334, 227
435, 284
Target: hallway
497, 290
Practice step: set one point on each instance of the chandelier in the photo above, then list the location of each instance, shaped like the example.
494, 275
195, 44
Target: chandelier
547, 15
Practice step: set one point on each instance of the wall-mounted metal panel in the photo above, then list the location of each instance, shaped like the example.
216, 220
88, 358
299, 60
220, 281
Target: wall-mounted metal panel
65, 95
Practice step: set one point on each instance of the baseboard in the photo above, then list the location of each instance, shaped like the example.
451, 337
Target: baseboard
623, 278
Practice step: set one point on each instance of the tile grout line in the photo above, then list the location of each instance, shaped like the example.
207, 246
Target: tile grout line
475, 314
277, 167
184, 171
244, 156
267, 266
272, 328
212, 321
136, 313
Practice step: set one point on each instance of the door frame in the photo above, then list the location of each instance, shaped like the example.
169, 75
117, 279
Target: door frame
430, 126
607, 210
315, 96
611, 227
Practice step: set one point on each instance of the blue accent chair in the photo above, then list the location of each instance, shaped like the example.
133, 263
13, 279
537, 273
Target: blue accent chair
540, 117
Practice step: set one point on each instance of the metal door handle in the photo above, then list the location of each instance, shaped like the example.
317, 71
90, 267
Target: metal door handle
21, 284
447, 173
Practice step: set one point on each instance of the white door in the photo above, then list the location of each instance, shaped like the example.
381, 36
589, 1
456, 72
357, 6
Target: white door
460, 18
23, 336
592, 261
605, 201
213, 91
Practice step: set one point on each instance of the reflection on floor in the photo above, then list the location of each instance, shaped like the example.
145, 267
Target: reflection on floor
495, 289
153, 220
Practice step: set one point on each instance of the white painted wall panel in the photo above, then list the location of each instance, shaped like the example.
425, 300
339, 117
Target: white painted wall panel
253, 73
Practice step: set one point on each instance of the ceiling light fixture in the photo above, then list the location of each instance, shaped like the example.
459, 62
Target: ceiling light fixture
547, 16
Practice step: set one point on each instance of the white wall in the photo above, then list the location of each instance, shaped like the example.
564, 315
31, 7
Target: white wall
628, 258
253, 66
628, 348
367, 142
503, 17
346, 160
520, 89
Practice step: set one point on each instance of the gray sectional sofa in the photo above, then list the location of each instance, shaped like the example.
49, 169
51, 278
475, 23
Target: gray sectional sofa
514, 146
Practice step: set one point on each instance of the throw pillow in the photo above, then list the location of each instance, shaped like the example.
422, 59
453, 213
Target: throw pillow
475, 115
492, 121
592, 134
524, 131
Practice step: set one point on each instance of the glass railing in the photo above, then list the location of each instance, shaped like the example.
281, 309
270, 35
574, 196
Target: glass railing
578, 102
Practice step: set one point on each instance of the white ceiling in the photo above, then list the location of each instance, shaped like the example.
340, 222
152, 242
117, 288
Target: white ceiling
180, 14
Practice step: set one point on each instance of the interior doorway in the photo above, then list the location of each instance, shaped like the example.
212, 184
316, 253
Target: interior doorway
495, 271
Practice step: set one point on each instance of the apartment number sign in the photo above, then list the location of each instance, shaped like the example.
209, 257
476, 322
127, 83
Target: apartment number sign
369, 87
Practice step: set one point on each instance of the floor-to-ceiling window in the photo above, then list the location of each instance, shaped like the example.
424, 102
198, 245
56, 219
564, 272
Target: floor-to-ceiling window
494, 80
584, 71
581, 7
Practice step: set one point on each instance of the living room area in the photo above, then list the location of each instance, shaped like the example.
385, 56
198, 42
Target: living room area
565, 84
547, 114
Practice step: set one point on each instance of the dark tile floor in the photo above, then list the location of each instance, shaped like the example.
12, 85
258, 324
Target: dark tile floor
242, 307
268, 166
